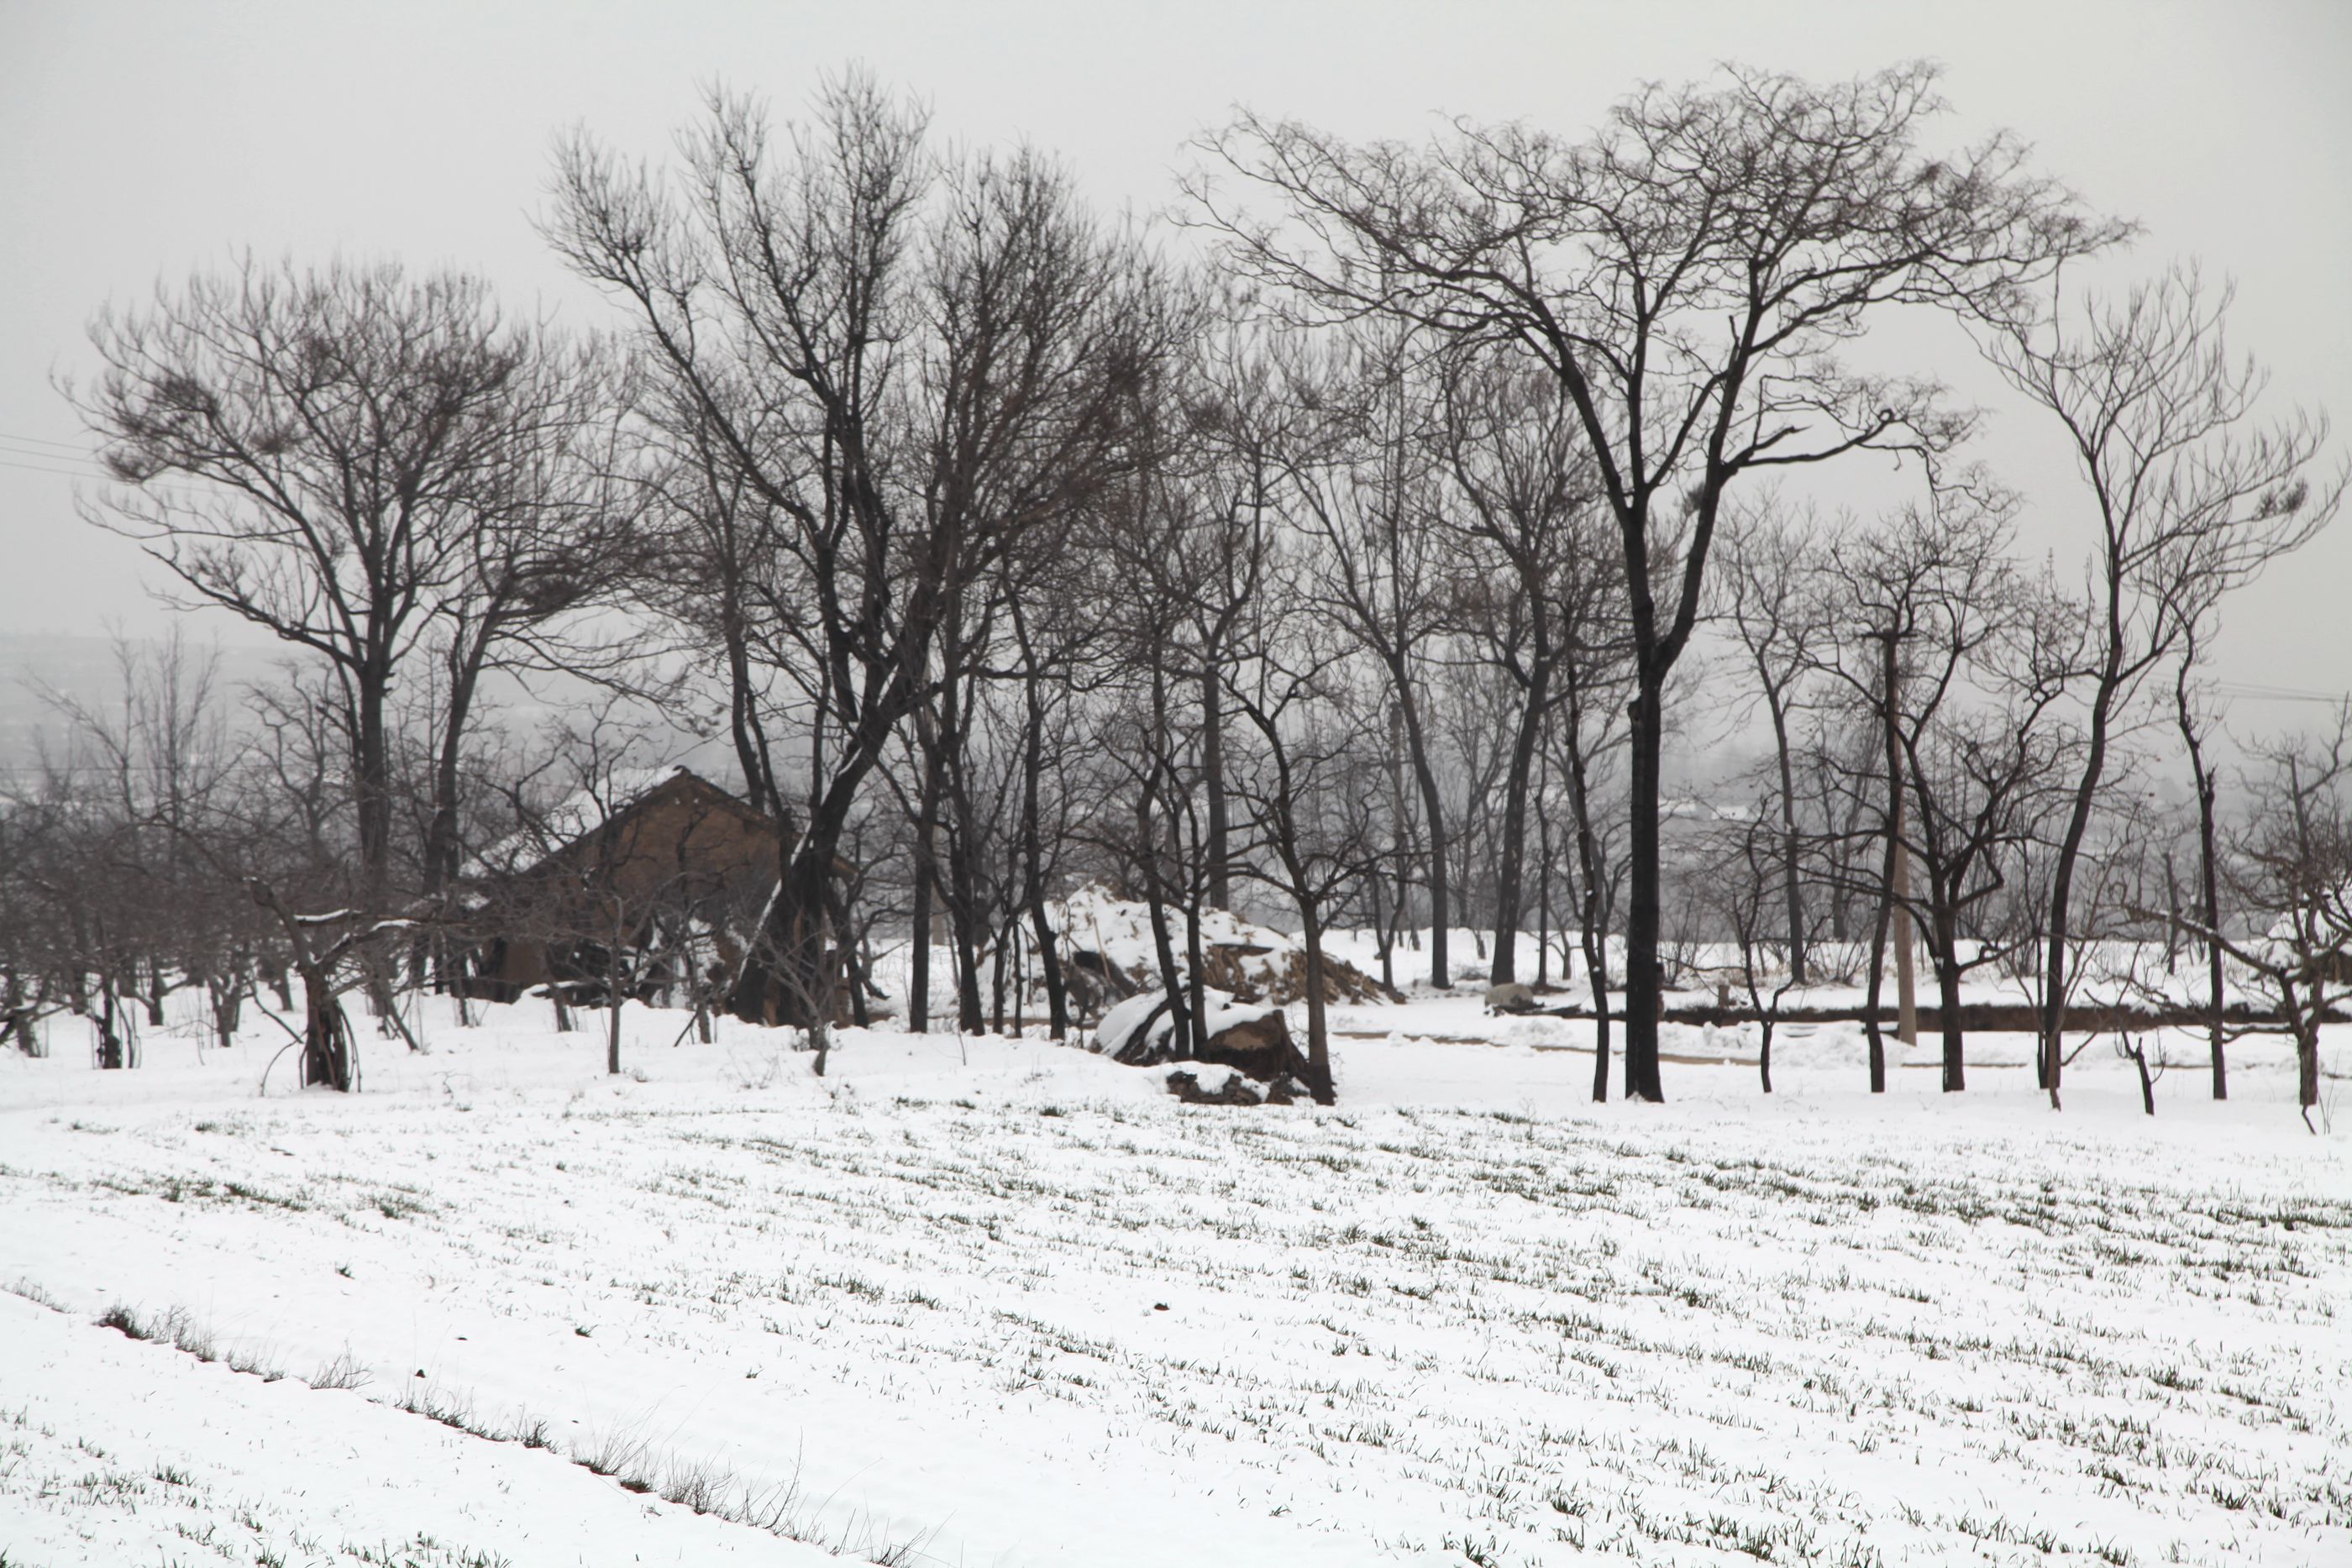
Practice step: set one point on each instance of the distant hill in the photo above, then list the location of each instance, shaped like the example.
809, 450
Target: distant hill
85, 669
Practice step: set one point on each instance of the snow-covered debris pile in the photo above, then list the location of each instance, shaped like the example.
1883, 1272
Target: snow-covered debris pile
1242, 1040
1228, 1086
2317, 936
1512, 997
1108, 940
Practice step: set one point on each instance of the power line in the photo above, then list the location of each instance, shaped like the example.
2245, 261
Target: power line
98, 473
2250, 691
21, 455
96, 468
80, 446
61, 473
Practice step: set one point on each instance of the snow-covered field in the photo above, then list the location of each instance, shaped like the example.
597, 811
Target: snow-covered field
990, 1302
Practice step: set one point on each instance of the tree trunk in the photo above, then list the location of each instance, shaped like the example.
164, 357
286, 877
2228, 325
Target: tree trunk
1433, 806
1947, 990
1875, 985
441, 846
326, 1035
1898, 878
2210, 906
1596, 964
1642, 996
2061, 878
856, 969
1405, 851
785, 980
1033, 852
1148, 855
2172, 916
1196, 970
963, 923
1049, 960
919, 959
2307, 1064
785, 983
1543, 891
613, 989
1511, 853
1318, 1035
1591, 917
944, 743
373, 784
997, 979
1789, 845
808, 1001
1213, 785
1164, 952
110, 1055
227, 993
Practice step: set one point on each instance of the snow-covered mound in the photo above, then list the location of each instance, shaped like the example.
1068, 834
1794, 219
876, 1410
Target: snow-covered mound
1109, 939
1142, 1021
2319, 935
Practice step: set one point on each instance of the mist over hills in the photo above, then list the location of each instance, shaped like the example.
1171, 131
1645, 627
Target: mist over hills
39, 668
86, 669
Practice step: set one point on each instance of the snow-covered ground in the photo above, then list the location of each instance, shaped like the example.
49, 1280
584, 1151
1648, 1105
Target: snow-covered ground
989, 1301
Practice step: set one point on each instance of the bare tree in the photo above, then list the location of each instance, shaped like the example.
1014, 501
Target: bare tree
1189, 545
2190, 719
160, 773
1054, 651
1977, 776
1687, 275
901, 377
556, 535
1521, 502
76, 874
1964, 662
2191, 492
1748, 868
27, 992
2290, 864
315, 451
1366, 492
1308, 783
1771, 575
1593, 680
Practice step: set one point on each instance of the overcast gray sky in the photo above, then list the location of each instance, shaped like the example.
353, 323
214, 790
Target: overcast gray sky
139, 141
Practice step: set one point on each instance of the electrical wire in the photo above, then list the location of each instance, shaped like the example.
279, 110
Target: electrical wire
79, 446
91, 473
2249, 692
